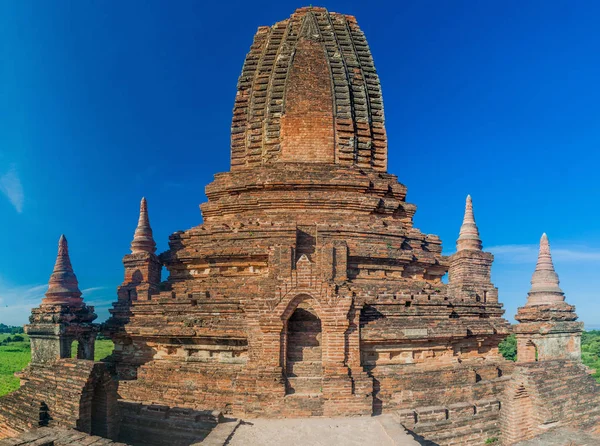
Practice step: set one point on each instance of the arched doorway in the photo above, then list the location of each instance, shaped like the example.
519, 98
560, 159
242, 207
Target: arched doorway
99, 414
530, 353
303, 353
98, 406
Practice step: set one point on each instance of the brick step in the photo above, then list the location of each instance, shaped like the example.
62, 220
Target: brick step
305, 386
463, 432
564, 387
574, 385
298, 405
305, 368
560, 379
558, 373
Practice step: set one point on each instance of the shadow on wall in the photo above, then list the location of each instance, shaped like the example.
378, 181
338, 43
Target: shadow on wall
419, 439
158, 425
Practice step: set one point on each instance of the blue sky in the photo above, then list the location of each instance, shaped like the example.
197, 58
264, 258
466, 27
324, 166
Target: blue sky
102, 103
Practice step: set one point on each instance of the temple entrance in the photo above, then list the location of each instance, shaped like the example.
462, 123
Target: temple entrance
530, 352
303, 359
100, 411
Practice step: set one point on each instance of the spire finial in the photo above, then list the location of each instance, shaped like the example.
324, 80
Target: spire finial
545, 287
63, 286
469, 234
143, 240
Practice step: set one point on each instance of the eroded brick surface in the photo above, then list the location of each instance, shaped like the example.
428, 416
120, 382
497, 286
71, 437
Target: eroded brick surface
307, 290
68, 393
549, 388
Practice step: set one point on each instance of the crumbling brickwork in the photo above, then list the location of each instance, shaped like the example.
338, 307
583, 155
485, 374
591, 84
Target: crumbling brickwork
307, 290
68, 393
309, 80
62, 317
549, 387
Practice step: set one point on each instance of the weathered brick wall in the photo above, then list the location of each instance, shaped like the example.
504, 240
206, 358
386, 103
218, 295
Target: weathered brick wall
549, 394
465, 424
156, 425
62, 394
307, 123
56, 436
308, 220
307, 290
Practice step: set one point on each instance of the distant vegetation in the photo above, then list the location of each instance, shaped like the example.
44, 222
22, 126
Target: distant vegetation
10, 329
508, 348
590, 351
15, 354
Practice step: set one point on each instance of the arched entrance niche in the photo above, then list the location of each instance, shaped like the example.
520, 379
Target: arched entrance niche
531, 352
100, 411
98, 406
302, 348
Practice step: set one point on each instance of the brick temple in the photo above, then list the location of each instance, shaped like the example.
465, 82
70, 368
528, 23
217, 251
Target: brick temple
306, 291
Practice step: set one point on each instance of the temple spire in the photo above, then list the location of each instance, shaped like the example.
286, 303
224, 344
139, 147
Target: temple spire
545, 287
142, 239
469, 234
63, 286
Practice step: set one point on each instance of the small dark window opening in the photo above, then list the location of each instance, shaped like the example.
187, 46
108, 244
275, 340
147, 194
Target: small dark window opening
44, 414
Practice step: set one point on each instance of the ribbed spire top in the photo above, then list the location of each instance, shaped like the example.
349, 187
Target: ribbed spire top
63, 286
143, 240
544, 283
469, 234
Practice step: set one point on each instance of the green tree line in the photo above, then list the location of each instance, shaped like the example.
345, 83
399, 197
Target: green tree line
10, 329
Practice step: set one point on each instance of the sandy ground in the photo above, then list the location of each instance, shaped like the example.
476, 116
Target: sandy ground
563, 437
356, 431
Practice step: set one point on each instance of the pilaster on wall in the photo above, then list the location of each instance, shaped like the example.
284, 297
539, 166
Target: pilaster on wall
519, 417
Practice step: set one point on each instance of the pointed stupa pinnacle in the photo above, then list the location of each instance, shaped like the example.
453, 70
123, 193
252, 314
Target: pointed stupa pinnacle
142, 239
63, 286
469, 234
544, 282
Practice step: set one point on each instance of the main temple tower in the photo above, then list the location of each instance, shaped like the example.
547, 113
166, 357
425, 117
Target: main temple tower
307, 290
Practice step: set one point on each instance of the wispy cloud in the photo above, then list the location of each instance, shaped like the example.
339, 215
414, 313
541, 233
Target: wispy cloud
16, 302
528, 254
10, 185
92, 290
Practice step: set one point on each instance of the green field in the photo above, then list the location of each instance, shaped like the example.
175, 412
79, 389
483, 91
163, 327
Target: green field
15, 356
